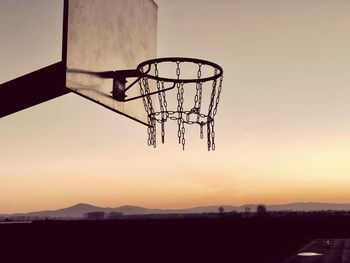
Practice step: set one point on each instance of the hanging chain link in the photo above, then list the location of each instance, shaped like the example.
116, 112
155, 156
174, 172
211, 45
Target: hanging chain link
147, 101
210, 124
214, 113
182, 116
218, 96
198, 98
164, 113
178, 118
183, 135
201, 130
181, 113
212, 97
198, 86
164, 100
143, 87
160, 98
208, 136
179, 106
212, 136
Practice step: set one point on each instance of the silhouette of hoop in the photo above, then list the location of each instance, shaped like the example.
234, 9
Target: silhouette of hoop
151, 62
150, 70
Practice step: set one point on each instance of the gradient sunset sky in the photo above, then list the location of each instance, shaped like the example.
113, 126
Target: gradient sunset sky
282, 129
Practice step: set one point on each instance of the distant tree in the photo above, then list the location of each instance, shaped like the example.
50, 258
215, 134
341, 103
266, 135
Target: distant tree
261, 210
221, 210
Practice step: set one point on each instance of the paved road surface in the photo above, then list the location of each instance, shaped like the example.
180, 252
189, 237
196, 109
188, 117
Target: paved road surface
338, 252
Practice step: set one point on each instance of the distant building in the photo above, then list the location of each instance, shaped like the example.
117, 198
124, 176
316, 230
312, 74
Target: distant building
94, 216
115, 215
261, 210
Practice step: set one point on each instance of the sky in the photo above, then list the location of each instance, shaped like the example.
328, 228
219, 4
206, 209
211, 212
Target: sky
282, 128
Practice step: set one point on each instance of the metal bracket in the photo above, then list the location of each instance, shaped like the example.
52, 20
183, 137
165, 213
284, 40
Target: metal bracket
149, 94
119, 83
120, 80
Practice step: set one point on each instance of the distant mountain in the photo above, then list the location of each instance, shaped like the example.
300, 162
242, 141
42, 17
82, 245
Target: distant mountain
75, 211
309, 206
78, 210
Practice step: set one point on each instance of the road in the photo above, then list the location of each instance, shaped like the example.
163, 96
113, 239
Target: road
316, 251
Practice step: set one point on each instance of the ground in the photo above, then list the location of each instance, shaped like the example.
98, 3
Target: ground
265, 239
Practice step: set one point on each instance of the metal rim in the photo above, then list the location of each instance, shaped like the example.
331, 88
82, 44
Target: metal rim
179, 60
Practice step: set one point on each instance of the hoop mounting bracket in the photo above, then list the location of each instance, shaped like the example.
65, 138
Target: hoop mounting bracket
120, 80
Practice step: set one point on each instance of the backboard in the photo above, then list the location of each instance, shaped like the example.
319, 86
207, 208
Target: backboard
108, 35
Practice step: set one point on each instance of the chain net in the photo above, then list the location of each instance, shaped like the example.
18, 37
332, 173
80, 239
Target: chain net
190, 112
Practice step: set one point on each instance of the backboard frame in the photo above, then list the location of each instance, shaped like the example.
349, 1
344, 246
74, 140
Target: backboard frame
66, 60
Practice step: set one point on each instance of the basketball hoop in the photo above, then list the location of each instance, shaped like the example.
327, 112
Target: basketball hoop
181, 112
186, 75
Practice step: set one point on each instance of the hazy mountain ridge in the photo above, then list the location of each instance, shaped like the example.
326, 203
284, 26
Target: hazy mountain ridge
309, 206
78, 210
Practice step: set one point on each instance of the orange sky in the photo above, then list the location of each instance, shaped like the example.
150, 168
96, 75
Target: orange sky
283, 126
